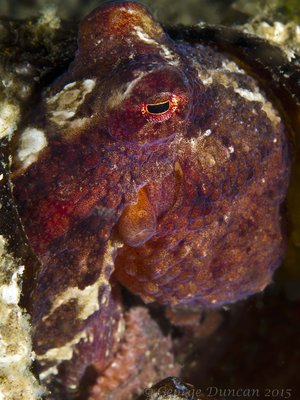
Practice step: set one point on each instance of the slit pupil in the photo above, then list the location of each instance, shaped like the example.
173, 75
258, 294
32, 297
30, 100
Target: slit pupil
158, 108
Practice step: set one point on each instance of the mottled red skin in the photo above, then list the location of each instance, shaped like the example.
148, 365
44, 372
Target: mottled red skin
200, 224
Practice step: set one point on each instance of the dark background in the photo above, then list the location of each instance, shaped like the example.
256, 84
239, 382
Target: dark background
169, 11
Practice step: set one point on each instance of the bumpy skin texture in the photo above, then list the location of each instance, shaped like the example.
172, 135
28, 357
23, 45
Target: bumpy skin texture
144, 351
156, 164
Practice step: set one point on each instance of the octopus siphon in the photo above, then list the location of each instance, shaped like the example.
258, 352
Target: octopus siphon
155, 165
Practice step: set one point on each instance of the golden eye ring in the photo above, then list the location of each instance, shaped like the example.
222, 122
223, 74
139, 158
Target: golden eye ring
161, 110
158, 108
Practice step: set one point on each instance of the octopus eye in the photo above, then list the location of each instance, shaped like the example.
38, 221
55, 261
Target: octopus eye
161, 110
158, 108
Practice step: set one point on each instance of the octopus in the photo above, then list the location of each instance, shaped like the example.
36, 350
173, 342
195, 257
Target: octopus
155, 167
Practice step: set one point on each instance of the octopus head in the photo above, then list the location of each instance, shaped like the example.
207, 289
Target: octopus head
146, 95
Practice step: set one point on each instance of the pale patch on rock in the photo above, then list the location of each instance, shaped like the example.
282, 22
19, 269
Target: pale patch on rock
49, 18
9, 116
10, 293
17, 381
287, 36
32, 142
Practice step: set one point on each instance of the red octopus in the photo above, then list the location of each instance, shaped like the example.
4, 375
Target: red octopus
154, 164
